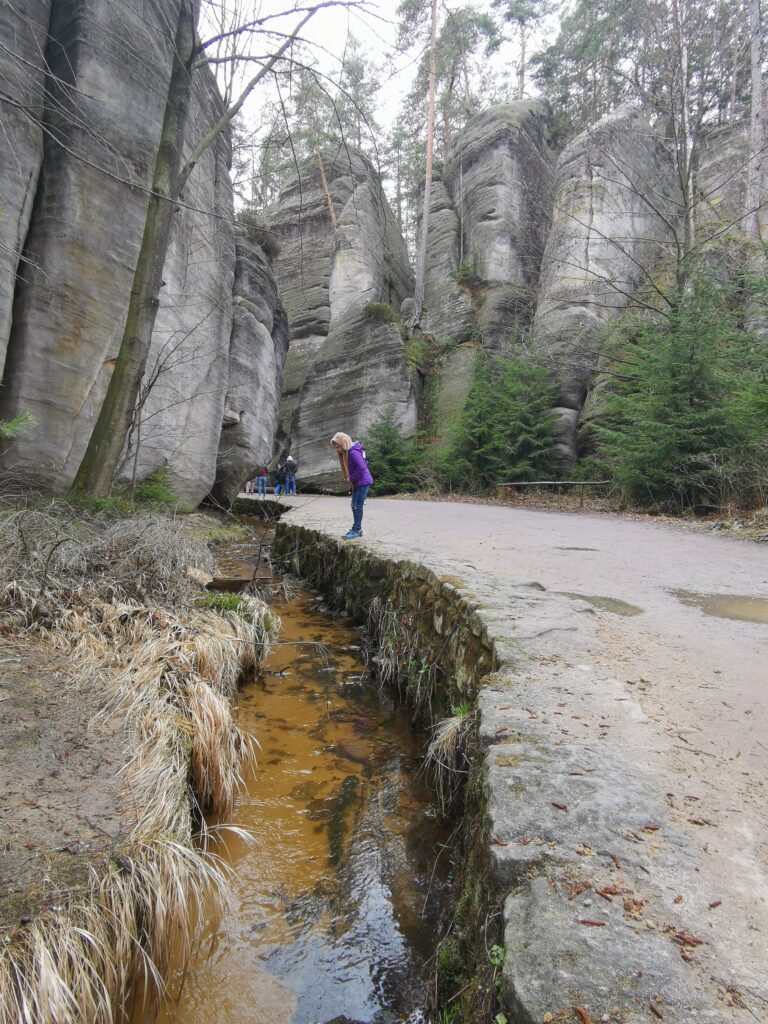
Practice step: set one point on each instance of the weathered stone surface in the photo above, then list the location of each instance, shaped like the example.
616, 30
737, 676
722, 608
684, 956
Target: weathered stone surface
492, 218
448, 311
451, 386
613, 970
360, 371
614, 201
343, 366
21, 153
181, 421
81, 249
256, 357
86, 230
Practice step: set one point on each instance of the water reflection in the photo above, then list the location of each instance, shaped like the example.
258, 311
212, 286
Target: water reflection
337, 900
742, 607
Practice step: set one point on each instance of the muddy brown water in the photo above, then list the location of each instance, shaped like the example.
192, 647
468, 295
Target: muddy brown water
337, 899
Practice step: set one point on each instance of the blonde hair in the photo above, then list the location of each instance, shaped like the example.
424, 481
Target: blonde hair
344, 441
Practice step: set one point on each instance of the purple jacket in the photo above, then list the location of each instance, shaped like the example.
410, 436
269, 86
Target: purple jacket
359, 474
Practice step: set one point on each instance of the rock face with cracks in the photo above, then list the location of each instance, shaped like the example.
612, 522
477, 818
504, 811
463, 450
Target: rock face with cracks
346, 362
93, 79
614, 209
256, 358
488, 225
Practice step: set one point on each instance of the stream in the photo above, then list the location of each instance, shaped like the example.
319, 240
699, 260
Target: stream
338, 897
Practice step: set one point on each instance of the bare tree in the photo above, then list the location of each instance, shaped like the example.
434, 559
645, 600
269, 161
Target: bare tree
102, 458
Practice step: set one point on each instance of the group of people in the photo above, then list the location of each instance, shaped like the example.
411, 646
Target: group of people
283, 479
354, 469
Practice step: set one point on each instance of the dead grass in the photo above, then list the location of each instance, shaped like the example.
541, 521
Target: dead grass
446, 757
117, 594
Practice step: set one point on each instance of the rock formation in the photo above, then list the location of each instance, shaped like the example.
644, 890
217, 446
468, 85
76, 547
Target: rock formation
613, 206
81, 243
346, 362
22, 148
257, 353
488, 225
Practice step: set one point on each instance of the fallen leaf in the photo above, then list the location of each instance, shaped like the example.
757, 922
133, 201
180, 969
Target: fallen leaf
655, 1010
634, 907
577, 888
499, 842
594, 924
560, 807
702, 821
616, 861
582, 1014
715, 903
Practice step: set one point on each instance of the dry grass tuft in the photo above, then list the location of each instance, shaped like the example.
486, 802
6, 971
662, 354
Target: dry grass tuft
447, 757
59, 551
113, 595
77, 964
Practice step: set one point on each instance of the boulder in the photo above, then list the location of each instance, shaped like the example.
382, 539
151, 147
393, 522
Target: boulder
614, 203
21, 154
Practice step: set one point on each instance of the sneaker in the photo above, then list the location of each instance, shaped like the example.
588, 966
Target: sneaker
352, 534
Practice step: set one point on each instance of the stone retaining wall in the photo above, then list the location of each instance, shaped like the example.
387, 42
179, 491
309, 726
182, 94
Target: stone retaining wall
563, 830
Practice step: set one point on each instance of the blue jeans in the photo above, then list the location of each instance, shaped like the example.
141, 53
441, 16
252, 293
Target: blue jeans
261, 482
358, 498
290, 484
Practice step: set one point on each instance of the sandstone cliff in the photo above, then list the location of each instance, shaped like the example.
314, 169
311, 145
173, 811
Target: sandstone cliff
110, 66
346, 362
488, 225
614, 203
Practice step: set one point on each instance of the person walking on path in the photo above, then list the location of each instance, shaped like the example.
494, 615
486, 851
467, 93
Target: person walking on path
261, 481
290, 475
354, 467
279, 478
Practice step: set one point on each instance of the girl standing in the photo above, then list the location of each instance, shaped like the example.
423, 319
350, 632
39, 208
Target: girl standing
354, 467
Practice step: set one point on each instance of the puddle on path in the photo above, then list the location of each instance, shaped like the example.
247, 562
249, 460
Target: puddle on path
337, 901
607, 604
727, 606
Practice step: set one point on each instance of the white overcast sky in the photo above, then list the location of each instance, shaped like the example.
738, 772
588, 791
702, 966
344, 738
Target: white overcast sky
374, 26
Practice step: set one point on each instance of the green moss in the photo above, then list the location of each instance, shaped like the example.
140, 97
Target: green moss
220, 601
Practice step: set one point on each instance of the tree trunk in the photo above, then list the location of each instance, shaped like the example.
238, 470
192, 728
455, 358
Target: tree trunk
98, 469
421, 262
521, 65
753, 190
324, 183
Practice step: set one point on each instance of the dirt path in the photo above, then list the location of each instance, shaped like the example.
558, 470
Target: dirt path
693, 704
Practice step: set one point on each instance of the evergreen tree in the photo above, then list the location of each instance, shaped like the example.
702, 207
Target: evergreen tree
686, 423
506, 431
394, 458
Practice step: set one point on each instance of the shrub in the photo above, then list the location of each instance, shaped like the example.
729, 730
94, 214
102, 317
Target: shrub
468, 273
156, 492
259, 233
380, 311
394, 458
